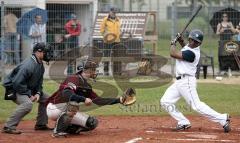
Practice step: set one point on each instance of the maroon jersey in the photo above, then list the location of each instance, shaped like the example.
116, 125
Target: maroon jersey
78, 86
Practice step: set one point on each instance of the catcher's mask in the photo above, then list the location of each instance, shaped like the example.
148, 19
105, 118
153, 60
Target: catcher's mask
41, 47
90, 66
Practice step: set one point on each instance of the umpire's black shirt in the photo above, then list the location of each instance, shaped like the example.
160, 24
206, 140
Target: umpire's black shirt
27, 77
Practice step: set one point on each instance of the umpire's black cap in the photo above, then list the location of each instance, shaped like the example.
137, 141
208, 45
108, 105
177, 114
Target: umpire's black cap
40, 47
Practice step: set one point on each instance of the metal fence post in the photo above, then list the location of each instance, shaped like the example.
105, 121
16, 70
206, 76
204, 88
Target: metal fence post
2, 41
174, 18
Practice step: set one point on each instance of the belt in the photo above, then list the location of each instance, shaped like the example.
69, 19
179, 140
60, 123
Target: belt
181, 76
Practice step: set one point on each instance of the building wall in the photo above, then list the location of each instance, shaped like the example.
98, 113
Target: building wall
93, 2
27, 3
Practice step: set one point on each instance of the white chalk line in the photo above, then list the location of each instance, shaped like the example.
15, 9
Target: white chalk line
184, 139
134, 140
149, 131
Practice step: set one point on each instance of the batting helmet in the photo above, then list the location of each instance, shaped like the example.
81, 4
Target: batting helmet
196, 35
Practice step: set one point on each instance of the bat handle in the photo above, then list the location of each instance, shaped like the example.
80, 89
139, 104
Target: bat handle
176, 38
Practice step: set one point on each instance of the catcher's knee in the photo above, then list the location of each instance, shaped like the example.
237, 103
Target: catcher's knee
91, 123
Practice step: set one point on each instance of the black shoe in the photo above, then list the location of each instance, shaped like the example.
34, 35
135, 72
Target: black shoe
42, 127
10, 131
182, 127
227, 127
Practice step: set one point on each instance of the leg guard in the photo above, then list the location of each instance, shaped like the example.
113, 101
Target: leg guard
91, 123
62, 123
74, 129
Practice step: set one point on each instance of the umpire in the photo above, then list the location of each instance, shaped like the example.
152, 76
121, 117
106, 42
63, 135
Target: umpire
24, 86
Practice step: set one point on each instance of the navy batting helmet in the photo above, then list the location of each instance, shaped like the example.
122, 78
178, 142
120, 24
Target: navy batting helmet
196, 35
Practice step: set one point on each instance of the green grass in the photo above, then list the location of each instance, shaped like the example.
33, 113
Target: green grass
223, 98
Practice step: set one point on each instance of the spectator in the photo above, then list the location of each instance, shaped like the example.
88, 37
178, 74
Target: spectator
73, 29
110, 29
238, 32
225, 29
11, 39
38, 31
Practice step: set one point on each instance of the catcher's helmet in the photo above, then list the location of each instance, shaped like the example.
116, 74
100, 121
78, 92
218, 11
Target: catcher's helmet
196, 35
86, 64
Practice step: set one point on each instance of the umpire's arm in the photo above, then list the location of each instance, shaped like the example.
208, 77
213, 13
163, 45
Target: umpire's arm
40, 85
20, 81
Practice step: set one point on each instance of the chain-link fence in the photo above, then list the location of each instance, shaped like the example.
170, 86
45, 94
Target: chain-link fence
68, 26
172, 17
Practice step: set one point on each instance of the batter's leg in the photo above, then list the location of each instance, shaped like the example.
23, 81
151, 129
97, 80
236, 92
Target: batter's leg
189, 92
170, 97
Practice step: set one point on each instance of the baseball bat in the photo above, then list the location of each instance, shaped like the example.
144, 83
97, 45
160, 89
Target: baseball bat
236, 59
190, 20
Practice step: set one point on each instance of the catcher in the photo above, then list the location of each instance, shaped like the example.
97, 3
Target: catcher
63, 105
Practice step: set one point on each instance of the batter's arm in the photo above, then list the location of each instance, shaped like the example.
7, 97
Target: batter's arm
174, 53
186, 55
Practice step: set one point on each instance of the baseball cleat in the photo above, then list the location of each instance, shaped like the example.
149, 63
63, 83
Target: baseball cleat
10, 131
59, 135
182, 127
227, 127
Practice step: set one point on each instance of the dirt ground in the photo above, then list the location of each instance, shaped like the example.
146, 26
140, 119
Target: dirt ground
134, 129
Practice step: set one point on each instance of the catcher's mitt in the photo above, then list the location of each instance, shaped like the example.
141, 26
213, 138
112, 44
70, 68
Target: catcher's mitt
129, 97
